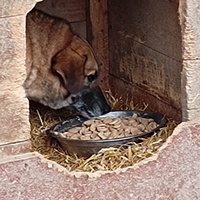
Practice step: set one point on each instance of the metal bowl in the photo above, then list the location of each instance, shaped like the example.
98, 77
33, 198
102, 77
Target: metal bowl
85, 148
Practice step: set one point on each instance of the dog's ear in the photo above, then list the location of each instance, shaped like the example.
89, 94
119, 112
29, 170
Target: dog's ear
57, 70
75, 65
69, 67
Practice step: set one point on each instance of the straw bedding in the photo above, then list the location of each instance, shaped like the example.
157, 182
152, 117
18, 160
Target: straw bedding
42, 118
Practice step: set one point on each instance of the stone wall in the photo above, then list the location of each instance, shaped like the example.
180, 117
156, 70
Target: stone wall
14, 115
190, 20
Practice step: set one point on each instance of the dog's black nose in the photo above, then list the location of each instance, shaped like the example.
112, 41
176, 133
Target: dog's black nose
91, 102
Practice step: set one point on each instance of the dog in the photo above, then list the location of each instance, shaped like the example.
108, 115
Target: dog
60, 65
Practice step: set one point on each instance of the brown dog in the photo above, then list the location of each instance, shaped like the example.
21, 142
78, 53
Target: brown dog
60, 64
61, 67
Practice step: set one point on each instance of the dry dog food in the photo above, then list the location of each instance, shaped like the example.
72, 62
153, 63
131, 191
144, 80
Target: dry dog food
109, 128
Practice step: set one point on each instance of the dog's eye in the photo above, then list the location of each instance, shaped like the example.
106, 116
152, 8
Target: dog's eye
92, 77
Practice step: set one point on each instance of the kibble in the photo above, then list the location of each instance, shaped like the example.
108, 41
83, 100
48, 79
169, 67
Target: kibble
110, 128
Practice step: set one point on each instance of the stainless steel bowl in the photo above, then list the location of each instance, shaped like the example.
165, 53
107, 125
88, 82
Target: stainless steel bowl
85, 148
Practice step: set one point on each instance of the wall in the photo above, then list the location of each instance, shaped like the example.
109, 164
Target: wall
14, 111
145, 53
190, 20
73, 11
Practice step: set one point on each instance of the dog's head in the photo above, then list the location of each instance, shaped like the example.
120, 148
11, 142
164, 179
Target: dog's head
76, 66
77, 70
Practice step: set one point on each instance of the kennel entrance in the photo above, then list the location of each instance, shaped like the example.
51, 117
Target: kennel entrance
138, 47
139, 66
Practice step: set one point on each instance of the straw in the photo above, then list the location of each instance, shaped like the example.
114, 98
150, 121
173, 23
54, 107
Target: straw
42, 118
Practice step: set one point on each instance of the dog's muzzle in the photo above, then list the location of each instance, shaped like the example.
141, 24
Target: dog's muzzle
90, 102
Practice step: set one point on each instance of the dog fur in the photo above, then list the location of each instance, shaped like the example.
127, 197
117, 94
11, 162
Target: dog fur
59, 63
